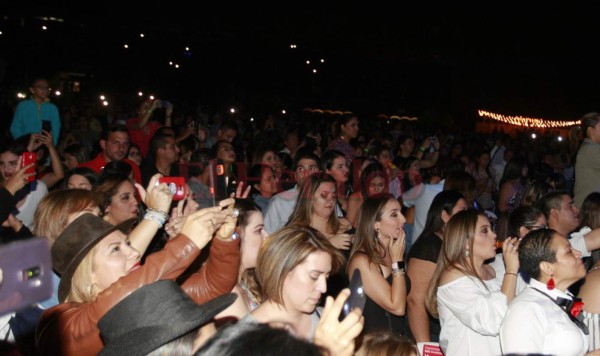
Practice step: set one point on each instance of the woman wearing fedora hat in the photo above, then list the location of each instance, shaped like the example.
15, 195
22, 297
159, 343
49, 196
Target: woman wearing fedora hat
99, 268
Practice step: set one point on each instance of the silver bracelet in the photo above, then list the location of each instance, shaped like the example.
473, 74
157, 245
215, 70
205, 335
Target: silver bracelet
156, 217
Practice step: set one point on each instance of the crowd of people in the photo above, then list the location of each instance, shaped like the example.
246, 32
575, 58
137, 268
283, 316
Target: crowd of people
482, 244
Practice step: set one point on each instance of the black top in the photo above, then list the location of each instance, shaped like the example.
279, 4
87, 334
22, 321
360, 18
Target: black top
426, 248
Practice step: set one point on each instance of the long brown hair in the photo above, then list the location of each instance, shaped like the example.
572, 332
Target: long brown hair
303, 209
458, 239
365, 239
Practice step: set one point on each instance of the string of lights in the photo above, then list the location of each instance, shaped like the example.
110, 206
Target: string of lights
527, 121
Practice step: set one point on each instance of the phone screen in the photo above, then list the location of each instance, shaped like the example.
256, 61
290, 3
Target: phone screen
357, 296
46, 125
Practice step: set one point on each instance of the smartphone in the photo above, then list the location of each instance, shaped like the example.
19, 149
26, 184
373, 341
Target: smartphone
26, 272
357, 296
218, 181
26, 159
176, 185
162, 104
47, 125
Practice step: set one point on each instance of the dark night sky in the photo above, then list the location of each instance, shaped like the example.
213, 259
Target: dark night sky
533, 61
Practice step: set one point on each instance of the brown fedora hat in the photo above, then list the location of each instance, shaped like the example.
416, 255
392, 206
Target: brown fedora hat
75, 242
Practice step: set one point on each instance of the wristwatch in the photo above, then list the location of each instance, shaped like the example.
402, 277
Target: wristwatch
398, 266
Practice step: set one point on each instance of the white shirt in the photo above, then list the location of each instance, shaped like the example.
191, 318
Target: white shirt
280, 208
578, 242
498, 266
471, 316
535, 324
27, 209
422, 204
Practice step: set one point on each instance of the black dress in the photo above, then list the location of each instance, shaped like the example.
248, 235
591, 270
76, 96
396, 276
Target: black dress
377, 318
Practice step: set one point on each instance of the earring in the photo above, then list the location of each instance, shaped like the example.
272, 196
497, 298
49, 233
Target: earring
378, 235
550, 283
106, 217
467, 254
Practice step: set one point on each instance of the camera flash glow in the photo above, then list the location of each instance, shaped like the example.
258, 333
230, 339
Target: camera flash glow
307, 62
20, 95
314, 71
57, 93
251, 119
533, 135
170, 63
559, 138
187, 48
104, 103
140, 93
283, 112
232, 110
322, 60
151, 97
44, 28
126, 46
177, 66
359, 290
142, 35
102, 97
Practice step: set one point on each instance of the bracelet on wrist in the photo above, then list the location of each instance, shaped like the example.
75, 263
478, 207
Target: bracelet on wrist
514, 274
156, 217
160, 212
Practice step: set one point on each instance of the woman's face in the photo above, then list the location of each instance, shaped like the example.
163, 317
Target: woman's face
384, 158
376, 186
135, 155
70, 161
460, 205
113, 259
484, 244
8, 164
304, 285
268, 183
77, 181
350, 129
415, 166
123, 205
324, 200
339, 170
569, 266
540, 223
484, 160
269, 158
252, 237
226, 152
392, 221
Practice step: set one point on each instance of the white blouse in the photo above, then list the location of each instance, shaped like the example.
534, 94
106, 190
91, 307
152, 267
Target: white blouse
471, 316
535, 324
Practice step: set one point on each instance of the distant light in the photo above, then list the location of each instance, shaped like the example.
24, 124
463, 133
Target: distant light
105, 103
283, 112
251, 119
44, 28
142, 35
102, 97
293, 46
151, 97
559, 138
170, 63
0, 32
187, 49
21, 95
177, 66
307, 61
57, 93
533, 136
314, 71
232, 110
322, 60
140, 93
125, 46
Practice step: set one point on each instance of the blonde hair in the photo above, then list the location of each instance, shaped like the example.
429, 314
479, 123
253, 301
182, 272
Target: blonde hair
52, 213
460, 233
281, 252
82, 289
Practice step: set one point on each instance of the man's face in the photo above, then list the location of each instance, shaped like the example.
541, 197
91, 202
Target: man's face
568, 214
115, 146
594, 133
227, 135
170, 153
305, 167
